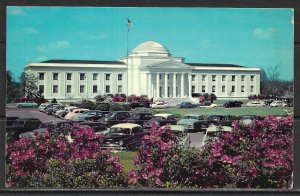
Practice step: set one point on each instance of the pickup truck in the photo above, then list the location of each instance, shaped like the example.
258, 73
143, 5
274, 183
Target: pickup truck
22, 125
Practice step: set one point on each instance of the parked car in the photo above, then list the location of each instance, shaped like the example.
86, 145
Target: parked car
159, 105
232, 104
113, 118
98, 127
97, 116
161, 119
139, 118
22, 125
181, 134
277, 103
9, 120
188, 121
125, 136
75, 112
248, 119
207, 105
27, 104
52, 127
42, 106
62, 113
53, 108
256, 103
213, 132
217, 120
90, 113
138, 104
186, 105
51, 105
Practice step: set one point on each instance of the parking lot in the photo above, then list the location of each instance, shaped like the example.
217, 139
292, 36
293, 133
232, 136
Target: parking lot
196, 138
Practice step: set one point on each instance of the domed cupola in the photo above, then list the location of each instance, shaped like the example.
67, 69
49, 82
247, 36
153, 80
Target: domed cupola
150, 48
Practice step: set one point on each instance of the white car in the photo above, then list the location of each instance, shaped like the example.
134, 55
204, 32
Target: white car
159, 105
256, 103
42, 106
277, 103
66, 109
213, 132
75, 112
181, 134
207, 105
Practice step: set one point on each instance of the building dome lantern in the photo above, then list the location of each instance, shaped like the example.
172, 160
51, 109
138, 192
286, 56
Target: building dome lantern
150, 48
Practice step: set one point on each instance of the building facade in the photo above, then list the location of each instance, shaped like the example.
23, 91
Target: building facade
149, 69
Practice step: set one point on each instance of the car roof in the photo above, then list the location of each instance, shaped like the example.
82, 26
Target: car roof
126, 125
163, 115
178, 128
80, 109
197, 115
214, 129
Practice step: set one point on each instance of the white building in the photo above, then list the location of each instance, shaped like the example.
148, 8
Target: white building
149, 69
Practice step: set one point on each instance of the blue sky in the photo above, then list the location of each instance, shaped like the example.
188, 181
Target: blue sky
250, 37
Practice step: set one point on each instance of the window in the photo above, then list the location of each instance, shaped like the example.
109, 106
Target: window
55, 76
203, 89
120, 89
55, 88
41, 88
203, 77
223, 89
69, 76
81, 90
120, 76
193, 77
107, 76
242, 89
223, 77
95, 90
168, 76
242, 78
213, 77
69, 88
107, 89
82, 76
252, 78
193, 89
41, 76
233, 78
213, 89
252, 89
95, 76
160, 76
233, 89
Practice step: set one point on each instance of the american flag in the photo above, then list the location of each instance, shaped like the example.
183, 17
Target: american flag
129, 24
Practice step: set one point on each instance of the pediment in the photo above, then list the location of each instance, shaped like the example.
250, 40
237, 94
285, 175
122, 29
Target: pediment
170, 65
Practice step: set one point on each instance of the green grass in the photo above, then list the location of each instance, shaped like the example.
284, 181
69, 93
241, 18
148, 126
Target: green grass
260, 111
126, 160
223, 101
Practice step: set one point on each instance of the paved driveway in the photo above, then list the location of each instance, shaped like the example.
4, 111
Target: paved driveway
29, 113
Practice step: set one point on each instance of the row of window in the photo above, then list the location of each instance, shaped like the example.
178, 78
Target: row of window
81, 89
233, 77
213, 89
82, 76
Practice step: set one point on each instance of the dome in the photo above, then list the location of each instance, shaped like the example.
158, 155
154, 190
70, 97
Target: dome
150, 47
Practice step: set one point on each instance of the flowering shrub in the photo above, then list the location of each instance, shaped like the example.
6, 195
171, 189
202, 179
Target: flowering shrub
54, 160
118, 99
157, 149
133, 98
254, 156
259, 96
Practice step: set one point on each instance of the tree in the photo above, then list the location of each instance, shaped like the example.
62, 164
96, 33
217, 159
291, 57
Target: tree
13, 88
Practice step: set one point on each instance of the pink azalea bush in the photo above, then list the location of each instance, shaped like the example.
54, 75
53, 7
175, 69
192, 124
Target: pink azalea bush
255, 156
55, 161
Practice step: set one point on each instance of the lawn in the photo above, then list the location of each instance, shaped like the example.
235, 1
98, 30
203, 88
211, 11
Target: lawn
126, 159
260, 111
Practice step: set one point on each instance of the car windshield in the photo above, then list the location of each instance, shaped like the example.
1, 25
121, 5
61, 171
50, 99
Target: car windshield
247, 117
135, 116
119, 130
111, 114
178, 133
190, 117
19, 122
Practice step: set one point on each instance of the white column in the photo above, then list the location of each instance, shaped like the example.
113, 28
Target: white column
157, 85
149, 85
189, 94
182, 85
174, 85
166, 85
